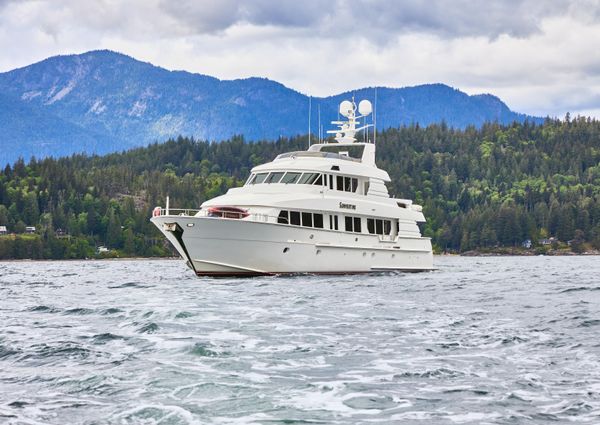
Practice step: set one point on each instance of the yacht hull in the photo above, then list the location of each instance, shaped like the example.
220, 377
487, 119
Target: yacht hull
233, 247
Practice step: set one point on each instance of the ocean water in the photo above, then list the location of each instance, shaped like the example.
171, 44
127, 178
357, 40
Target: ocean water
480, 341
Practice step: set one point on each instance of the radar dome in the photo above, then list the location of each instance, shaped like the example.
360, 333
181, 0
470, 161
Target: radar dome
346, 108
365, 107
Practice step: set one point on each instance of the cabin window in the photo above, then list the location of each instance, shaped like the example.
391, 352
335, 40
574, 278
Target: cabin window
350, 184
274, 177
349, 223
333, 222
340, 182
379, 227
330, 182
387, 227
308, 178
295, 218
260, 177
357, 226
307, 219
318, 220
319, 180
284, 217
290, 178
366, 187
352, 224
251, 179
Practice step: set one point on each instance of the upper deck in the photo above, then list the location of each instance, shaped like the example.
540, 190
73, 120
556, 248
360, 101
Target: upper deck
338, 177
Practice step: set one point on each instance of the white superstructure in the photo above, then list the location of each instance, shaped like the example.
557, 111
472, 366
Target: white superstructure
324, 210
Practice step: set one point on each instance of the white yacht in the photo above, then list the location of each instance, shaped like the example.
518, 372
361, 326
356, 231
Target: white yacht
324, 210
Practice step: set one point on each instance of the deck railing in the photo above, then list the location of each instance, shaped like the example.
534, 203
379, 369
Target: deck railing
158, 211
188, 212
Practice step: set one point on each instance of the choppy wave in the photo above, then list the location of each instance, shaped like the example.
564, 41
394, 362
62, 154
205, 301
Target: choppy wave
480, 341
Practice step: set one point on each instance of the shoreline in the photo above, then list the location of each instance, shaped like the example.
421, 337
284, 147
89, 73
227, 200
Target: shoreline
23, 260
520, 253
447, 254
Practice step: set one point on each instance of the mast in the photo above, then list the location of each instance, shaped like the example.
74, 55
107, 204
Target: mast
347, 129
319, 121
309, 111
375, 119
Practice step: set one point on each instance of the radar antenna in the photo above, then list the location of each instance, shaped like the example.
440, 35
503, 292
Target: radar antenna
347, 129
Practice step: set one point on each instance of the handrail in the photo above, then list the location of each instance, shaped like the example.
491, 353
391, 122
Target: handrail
314, 154
189, 212
158, 211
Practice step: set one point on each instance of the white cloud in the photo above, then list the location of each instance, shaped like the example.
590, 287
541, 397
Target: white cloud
538, 56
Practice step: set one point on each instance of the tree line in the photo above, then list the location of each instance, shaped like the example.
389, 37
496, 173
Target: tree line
494, 186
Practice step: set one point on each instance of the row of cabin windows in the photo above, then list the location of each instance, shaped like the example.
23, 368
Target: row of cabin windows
288, 178
297, 218
351, 224
379, 227
343, 183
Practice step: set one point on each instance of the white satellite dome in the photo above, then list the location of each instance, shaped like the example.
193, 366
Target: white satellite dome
365, 107
346, 108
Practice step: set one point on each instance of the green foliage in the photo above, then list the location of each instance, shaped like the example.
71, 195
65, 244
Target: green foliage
480, 188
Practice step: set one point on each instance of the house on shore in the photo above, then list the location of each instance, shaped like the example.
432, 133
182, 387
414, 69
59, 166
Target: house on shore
548, 241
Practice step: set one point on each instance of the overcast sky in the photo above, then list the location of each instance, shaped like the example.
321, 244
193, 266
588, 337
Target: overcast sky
541, 57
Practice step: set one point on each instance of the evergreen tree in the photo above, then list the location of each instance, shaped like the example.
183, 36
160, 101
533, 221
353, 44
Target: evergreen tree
114, 231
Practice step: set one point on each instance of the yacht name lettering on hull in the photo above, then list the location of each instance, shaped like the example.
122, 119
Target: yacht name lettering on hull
347, 206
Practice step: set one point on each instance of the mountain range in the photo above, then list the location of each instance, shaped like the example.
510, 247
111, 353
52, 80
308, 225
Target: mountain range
103, 101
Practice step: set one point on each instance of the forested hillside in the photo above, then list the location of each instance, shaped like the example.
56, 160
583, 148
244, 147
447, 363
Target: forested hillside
487, 187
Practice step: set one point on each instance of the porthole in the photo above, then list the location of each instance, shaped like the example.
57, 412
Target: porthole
318, 251
286, 249
311, 236
372, 254
364, 254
